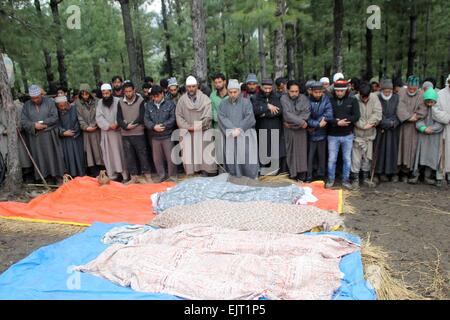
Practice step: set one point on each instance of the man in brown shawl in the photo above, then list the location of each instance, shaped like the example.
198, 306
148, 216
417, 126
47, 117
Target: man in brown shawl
86, 105
410, 110
296, 111
194, 118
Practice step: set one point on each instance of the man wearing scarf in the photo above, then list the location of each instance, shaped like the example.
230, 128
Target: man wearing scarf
237, 124
365, 133
86, 106
429, 150
40, 122
387, 134
442, 114
410, 110
296, 112
111, 139
269, 125
194, 118
71, 137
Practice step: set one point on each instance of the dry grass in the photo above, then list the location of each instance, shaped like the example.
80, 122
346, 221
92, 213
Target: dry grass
433, 280
380, 275
348, 208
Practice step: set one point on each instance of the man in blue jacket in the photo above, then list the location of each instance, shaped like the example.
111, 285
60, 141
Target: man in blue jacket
321, 114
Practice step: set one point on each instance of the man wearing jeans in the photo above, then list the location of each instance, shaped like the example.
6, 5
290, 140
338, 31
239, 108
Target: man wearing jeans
340, 132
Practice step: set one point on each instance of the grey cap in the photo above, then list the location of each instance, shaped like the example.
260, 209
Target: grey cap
309, 84
316, 85
251, 78
387, 84
427, 84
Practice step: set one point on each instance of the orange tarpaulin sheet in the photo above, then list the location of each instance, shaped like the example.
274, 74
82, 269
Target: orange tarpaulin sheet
83, 201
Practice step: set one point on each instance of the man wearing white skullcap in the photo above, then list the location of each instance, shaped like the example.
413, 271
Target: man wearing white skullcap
71, 137
338, 76
40, 122
325, 82
237, 124
194, 114
111, 138
441, 113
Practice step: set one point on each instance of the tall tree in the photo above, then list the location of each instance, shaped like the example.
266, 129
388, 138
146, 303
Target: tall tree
299, 52
62, 70
14, 171
139, 46
280, 40
262, 52
338, 35
168, 66
369, 54
135, 75
47, 58
290, 46
199, 41
412, 51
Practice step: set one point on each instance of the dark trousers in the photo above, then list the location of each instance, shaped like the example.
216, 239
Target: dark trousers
317, 150
162, 151
136, 154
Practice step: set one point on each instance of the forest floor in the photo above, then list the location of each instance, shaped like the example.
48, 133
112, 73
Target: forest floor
410, 223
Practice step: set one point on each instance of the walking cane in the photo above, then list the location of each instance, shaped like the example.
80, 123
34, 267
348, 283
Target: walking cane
32, 160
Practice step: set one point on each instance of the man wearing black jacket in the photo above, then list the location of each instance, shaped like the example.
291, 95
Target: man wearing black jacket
268, 114
160, 121
340, 132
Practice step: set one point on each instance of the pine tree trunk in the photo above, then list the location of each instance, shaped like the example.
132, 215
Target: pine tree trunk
262, 52
412, 40
96, 70
280, 40
62, 70
47, 58
425, 50
290, 44
169, 65
369, 54
299, 52
181, 44
23, 76
124, 69
139, 46
135, 75
199, 42
14, 171
338, 35
386, 49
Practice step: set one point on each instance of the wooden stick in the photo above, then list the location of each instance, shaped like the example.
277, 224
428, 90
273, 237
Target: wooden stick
32, 160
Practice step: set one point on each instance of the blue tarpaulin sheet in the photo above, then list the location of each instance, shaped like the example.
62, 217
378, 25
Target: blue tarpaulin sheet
47, 273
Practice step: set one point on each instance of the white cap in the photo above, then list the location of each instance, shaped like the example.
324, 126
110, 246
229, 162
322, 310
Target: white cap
191, 81
234, 84
60, 99
338, 76
106, 86
324, 80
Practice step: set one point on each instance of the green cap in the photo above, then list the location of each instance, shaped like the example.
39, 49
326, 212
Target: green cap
85, 87
430, 94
